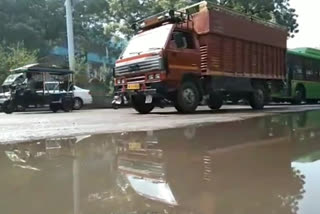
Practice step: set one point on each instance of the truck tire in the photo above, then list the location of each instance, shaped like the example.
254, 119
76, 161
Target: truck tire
257, 98
188, 98
8, 107
138, 103
54, 107
215, 101
299, 96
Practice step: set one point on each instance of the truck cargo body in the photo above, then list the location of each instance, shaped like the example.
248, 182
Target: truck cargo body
214, 53
234, 45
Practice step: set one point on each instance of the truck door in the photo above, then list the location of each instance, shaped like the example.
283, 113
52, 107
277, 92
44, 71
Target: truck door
183, 55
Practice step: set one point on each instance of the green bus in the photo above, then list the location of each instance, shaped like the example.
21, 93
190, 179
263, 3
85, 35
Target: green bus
303, 77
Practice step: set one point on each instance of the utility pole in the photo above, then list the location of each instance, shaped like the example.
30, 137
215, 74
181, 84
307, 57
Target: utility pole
70, 36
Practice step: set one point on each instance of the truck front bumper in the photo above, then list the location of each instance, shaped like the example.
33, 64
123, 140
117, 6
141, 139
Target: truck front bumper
122, 96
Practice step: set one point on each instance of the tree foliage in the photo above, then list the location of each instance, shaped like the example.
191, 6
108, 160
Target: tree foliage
14, 57
122, 13
37, 23
40, 24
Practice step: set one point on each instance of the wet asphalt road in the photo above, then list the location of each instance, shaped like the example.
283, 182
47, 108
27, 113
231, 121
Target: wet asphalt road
24, 126
267, 165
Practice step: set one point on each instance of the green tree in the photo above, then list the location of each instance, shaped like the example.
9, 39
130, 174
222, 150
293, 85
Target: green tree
122, 13
37, 23
81, 75
14, 57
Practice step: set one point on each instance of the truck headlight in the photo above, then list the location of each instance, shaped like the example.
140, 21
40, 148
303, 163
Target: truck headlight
151, 77
157, 76
118, 81
123, 81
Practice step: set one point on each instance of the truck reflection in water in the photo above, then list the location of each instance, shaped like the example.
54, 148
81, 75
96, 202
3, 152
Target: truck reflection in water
240, 167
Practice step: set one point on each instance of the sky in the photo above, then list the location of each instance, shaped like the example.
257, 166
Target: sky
309, 16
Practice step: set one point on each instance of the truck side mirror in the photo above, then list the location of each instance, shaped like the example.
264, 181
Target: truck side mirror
178, 40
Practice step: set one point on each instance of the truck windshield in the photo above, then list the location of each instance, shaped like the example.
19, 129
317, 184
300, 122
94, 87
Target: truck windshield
151, 40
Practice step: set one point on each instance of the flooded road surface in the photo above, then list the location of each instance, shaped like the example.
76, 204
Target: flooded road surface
257, 166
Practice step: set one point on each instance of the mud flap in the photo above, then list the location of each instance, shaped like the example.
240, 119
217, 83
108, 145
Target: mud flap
148, 99
119, 100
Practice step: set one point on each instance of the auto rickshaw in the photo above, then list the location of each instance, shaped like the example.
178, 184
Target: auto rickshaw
33, 92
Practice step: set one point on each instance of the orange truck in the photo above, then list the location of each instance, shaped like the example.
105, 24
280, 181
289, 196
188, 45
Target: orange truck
200, 55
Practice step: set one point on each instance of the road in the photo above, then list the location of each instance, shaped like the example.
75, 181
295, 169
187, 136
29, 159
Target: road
25, 126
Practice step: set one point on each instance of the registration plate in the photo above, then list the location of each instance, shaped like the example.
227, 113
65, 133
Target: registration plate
134, 146
135, 86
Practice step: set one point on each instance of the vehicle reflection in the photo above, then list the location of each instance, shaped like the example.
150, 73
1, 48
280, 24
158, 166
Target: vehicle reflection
240, 167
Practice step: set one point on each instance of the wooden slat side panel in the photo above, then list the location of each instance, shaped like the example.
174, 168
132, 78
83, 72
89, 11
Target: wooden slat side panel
277, 62
270, 62
247, 56
240, 58
228, 55
254, 59
215, 53
265, 64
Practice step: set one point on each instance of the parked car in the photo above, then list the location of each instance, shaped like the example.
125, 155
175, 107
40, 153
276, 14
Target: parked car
81, 97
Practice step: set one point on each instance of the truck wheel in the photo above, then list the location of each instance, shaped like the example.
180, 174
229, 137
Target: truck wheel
257, 98
8, 107
54, 107
299, 96
138, 103
188, 98
215, 101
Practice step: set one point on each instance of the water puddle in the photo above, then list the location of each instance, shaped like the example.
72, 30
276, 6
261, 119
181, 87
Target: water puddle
262, 165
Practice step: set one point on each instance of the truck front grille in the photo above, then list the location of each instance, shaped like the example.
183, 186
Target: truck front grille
136, 79
147, 64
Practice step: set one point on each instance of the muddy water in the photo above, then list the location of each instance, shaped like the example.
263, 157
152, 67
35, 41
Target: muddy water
264, 165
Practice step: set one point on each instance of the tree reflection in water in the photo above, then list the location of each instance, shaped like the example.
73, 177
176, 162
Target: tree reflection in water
240, 167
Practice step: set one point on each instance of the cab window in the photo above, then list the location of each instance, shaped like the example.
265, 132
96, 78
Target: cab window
183, 40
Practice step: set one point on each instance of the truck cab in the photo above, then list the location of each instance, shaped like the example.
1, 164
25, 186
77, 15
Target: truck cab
150, 69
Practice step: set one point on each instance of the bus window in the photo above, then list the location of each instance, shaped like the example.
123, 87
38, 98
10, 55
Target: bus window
316, 69
297, 69
309, 70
